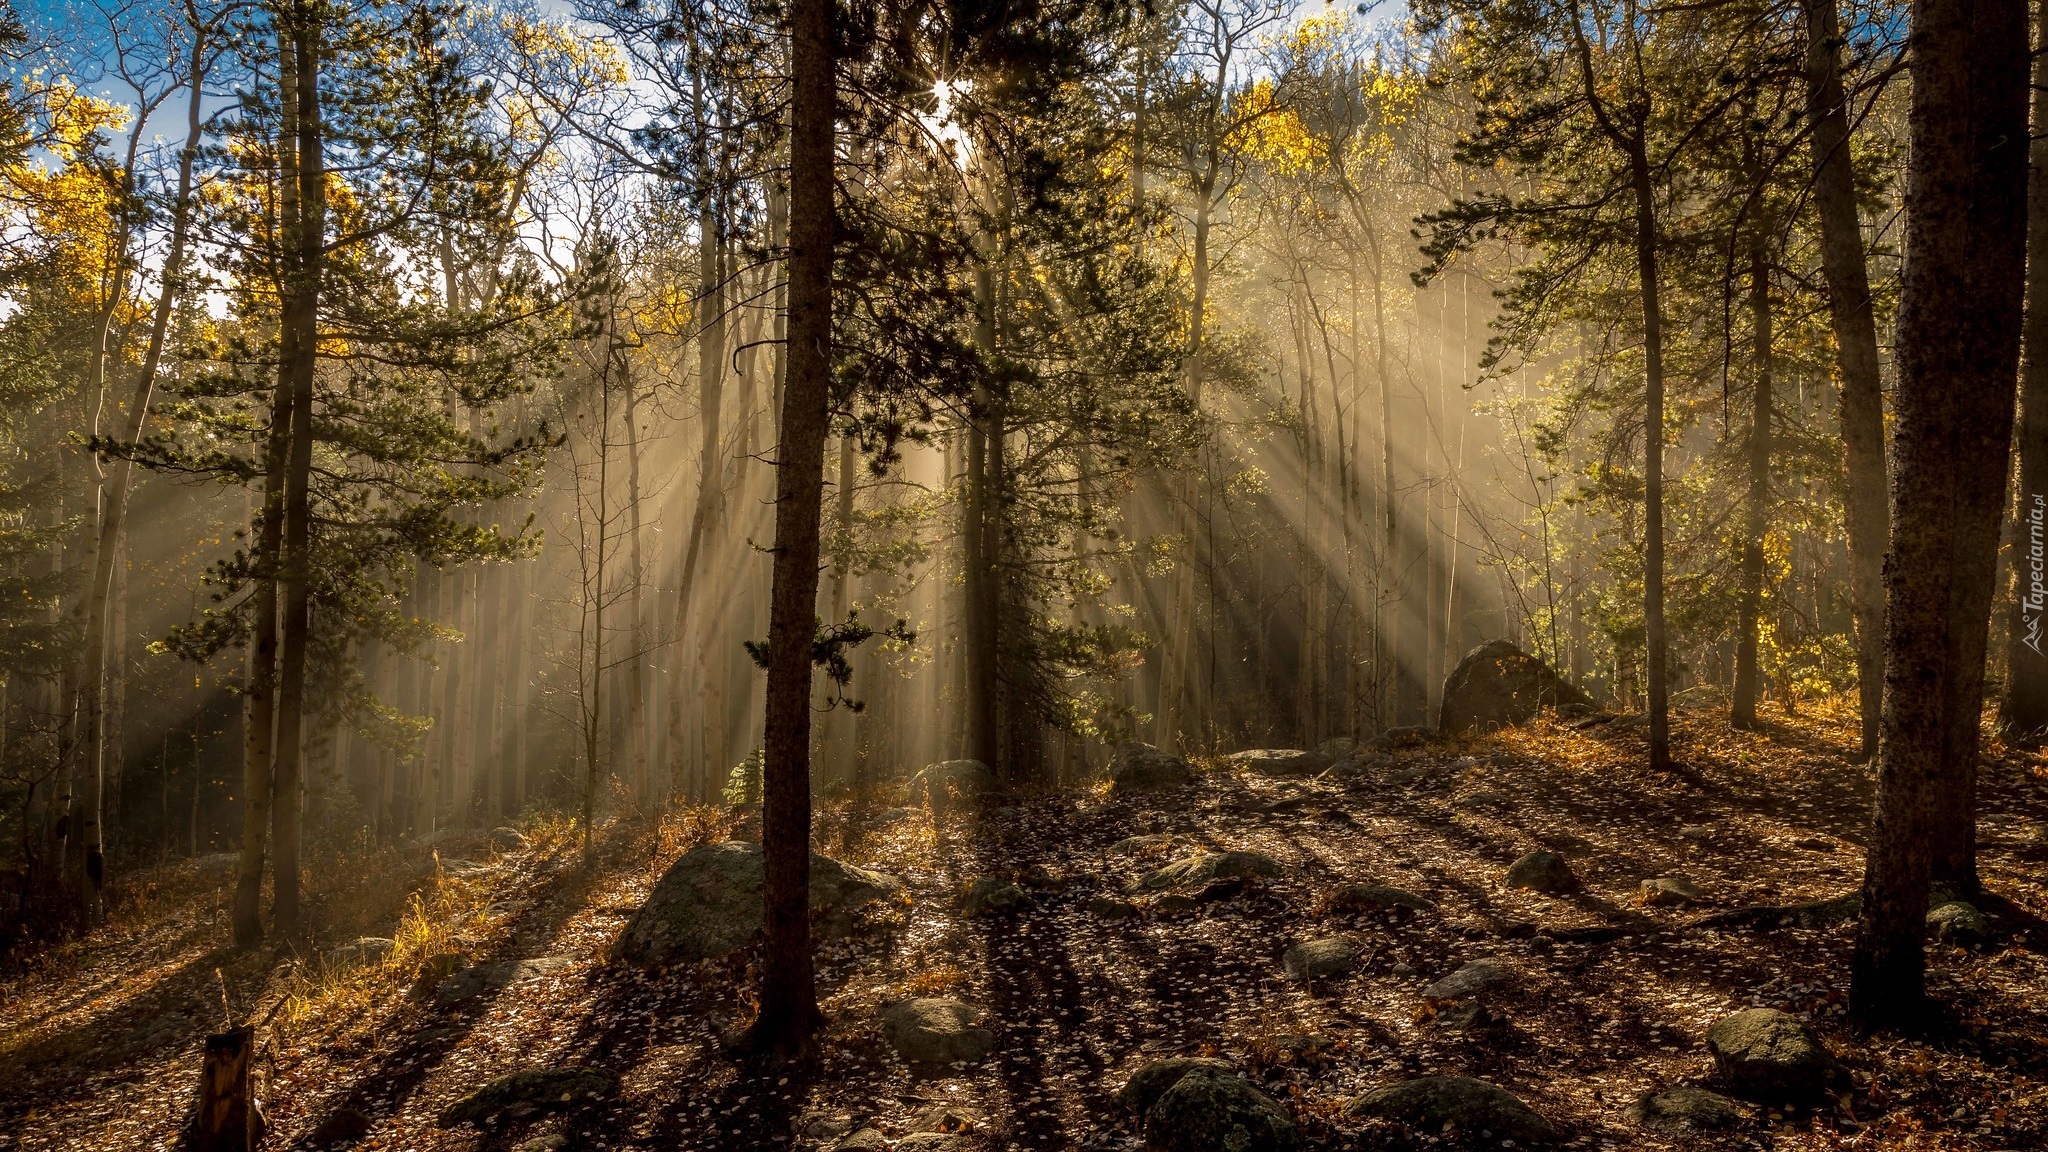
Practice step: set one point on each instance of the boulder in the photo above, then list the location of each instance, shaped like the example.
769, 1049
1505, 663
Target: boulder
932, 1033
1956, 922
951, 781
1682, 1111
1207, 1109
1668, 892
509, 839
360, 952
537, 1089
1320, 957
947, 1118
1149, 1083
1376, 898
1175, 904
993, 896
1497, 685
1404, 736
1141, 767
1337, 748
1542, 872
1474, 1107
470, 983
1464, 1016
1476, 978
1200, 869
824, 1125
1278, 761
708, 904
930, 1142
864, 1140
1770, 1056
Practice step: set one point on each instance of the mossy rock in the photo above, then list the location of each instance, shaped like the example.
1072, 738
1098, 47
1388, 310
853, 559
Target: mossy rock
1772, 1057
1542, 871
1679, 1111
1212, 1110
1474, 1107
1194, 871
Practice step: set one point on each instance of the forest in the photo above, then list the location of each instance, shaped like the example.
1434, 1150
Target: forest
1250, 575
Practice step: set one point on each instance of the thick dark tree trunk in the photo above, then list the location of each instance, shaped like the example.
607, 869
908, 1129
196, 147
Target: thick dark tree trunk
1748, 678
2023, 713
298, 358
1958, 353
1862, 415
789, 999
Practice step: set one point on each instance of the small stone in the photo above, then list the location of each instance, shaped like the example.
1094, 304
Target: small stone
930, 1142
1678, 1111
824, 1125
1038, 876
993, 896
553, 1142
1667, 892
947, 1118
1771, 1056
1321, 957
535, 1090
1431, 1103
1198, 870
1697, 831
1112, 908
1959, 923
1814, 844
865, 1140
936, 1032
509, 839
1480, 801
1175, 904
1476, 978
1542, 871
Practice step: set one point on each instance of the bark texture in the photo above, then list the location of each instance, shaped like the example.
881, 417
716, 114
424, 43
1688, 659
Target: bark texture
1958, 352
2023, 712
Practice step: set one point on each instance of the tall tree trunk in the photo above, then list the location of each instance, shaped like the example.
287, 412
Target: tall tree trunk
789, 1003
980, 561
636, 656
1958, 353
301, 308
1653, 459
2023, 712
1749, 612
1862, 414
259, 688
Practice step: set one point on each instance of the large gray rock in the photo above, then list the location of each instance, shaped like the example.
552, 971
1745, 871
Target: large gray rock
1497, 685
537, 1089
1201, 869
1680, 1111
708, 904
950, 782
1474, 979
1321, 957
1209, 1109
1542, 872
1140, 767
932, 1033
1770, 1056
1475, 1107
1279, 761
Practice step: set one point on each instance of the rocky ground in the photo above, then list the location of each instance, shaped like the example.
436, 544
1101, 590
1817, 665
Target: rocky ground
1432, 944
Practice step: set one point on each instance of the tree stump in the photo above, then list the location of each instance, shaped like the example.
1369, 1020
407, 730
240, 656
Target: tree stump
228, 1120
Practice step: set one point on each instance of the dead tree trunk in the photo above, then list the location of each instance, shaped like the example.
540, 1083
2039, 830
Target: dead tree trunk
228, 1120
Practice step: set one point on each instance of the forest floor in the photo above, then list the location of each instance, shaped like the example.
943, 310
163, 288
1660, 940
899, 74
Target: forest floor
99, 1039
